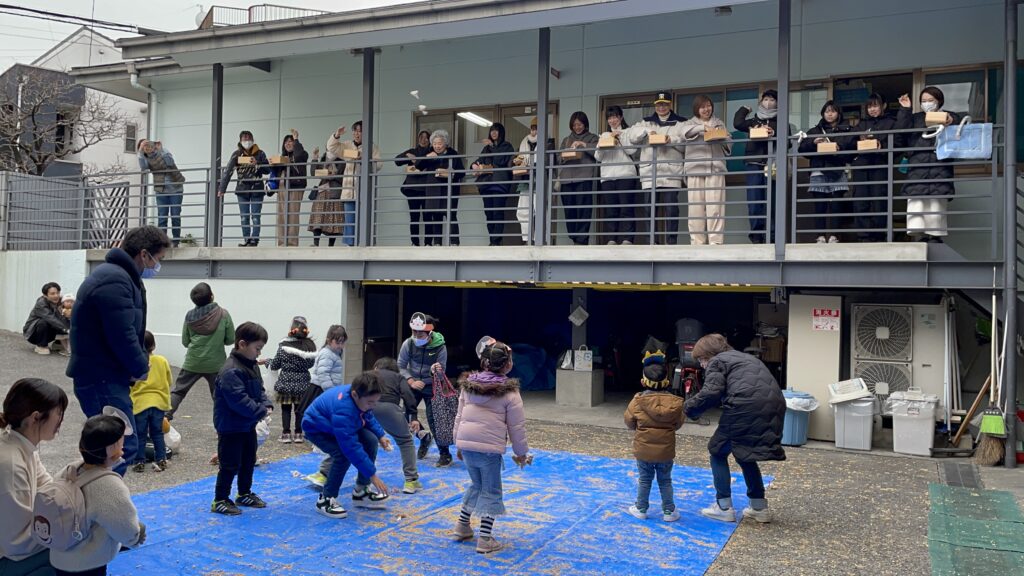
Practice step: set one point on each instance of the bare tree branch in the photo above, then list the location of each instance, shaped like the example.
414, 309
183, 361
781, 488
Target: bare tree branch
54, 120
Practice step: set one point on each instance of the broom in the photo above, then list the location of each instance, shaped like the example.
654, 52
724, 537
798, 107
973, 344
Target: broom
992, 430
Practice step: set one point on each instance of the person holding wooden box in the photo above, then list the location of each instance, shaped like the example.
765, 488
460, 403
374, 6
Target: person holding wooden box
415, 181
444, 163
619, 184
524, 163
251, 164
761, 127
661, 161
708, 144
828, 176
930, 182
350, 153
576, 177
289, 201
494, 179
870, 166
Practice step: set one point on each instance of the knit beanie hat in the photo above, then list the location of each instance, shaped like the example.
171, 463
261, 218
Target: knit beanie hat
655, 377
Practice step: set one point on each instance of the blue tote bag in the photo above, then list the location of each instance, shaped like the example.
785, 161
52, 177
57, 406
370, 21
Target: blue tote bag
968, 141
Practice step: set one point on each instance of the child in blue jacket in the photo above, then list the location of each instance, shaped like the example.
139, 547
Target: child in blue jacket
239, 403
341, 423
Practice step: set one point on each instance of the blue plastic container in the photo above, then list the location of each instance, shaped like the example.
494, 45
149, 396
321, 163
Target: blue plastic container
794, 426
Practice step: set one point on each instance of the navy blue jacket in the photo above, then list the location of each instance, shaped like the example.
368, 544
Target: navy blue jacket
239, 401
110, 320
335, 412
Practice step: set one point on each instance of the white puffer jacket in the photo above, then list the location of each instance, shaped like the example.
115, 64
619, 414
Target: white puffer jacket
616, 163
669, 156
704, 158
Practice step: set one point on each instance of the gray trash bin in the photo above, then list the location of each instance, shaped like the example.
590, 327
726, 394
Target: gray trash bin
854, 423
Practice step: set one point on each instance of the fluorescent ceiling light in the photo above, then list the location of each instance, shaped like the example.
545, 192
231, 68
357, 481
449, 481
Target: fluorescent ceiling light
475, 119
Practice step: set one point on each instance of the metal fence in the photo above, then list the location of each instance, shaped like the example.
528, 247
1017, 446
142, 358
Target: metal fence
218, 16
629, 192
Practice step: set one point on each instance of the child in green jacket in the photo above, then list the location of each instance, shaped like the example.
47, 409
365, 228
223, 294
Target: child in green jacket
208, 329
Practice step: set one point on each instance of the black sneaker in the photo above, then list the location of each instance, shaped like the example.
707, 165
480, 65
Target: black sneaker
329, 507
424, 446
366, 498
139, 467
250, 500
225, 507
444, 460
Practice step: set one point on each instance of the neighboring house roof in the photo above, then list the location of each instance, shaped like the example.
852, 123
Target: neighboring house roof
68, 53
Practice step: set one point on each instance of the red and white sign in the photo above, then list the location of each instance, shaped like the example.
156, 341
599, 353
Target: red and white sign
825, 319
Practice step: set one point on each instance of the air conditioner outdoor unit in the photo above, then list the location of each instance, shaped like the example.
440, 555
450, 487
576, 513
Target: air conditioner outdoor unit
899, 347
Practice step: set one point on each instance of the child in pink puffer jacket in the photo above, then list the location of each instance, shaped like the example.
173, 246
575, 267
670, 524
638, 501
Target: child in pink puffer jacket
490, 414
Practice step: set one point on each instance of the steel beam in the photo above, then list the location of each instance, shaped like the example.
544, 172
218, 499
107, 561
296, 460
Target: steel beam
214, 206
1010, 232
540, 180
781, 135
365, 203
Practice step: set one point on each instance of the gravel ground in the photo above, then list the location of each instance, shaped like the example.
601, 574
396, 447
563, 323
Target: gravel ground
836, 512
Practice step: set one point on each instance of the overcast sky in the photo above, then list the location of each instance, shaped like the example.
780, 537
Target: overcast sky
25, 39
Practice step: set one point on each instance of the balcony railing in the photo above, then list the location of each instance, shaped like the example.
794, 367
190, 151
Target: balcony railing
218, 16
448, 201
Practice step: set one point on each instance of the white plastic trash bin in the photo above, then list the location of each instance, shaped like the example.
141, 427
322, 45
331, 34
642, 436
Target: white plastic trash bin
854, 423
913, 422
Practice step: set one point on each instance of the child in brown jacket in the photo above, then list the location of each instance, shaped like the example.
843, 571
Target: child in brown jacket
655, 414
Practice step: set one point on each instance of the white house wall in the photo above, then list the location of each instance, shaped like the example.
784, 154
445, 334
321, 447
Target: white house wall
690, 49
22, 275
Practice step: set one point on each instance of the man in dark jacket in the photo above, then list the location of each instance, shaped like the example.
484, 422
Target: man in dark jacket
750, 427
107, 350
46, 324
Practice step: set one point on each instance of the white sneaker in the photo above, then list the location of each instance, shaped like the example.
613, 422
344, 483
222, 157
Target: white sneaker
821, 240
369, 498
626, 243
833, 240
329, 507
671, 516
637, 513
763, 515
611, 242
716, 513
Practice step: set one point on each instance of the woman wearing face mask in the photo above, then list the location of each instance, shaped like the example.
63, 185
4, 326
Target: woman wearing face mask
413, 187
577, 177
931, 184
619, 184
705, 174
495, 184
757, 181
526, 161
828, 175
32, 413
871, 203
251, 164
438, 206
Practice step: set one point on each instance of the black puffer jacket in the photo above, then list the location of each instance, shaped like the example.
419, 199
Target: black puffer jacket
880, 124
942, 170
752, 408
294, 376
744, 124
415, 182
838, 134
296, 172
501, 173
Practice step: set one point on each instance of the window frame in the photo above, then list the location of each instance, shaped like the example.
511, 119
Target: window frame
133, 147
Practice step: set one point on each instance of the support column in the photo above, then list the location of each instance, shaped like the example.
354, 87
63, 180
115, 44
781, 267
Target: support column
364, 205
782, 134
540, 210
579, 333
1010, 232
215, 205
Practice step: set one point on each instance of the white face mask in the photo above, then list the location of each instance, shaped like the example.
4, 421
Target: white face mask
929, 106
246, 144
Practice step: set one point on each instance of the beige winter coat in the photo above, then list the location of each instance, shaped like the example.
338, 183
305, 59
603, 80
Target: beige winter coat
704, 158
350, 182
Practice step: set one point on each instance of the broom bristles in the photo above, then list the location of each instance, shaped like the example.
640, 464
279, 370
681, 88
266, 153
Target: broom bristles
989, 451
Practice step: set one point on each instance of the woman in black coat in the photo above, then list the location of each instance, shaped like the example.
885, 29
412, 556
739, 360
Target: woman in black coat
414, 187
495, 183
46, 323
293, 185
930, 181
443, 165
750, 428
828, 171
871, 205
